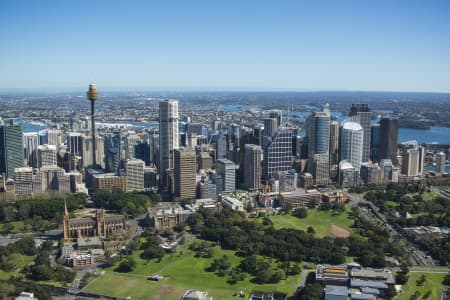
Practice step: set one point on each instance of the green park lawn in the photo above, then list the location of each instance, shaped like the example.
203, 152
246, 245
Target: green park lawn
17, 227
433, 283
392, 204
181, 271
25, 260
429, 196
320, 220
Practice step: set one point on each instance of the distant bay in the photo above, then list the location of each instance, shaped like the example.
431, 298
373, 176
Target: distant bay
435, 134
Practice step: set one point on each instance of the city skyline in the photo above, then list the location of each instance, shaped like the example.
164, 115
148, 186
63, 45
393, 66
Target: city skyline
370, 46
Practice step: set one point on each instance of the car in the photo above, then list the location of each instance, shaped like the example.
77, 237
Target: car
155, 277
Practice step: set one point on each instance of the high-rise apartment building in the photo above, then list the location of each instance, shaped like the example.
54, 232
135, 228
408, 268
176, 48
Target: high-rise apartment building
252, 166
184, 173
135, 174
413, 161
46, 155
168, 138
440, 162
53, 137
320, 169
278, 153
361, 114
11, 147
388, 138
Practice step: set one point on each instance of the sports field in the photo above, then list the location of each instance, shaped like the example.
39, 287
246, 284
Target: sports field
325, 223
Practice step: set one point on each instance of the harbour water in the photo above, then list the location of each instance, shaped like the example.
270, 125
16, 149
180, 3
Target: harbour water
440, 135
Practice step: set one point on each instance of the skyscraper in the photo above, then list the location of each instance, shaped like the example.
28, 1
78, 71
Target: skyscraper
31, 142
388, 138
352, 144
270, 126
74, 143
318, 132
278, 153
334, 142
361, 112
252, 166
320, 166
168, 138
87, 146
221, 145
375, 142
184, 173
135, 174
440, 163
112, 145
318, 135
46, 155
278, 115
11, 147
225, 176
411, 162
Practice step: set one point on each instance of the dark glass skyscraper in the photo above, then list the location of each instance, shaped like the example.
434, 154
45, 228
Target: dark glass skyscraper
112, 144
361, 114
11, 147
388, 138
375, 142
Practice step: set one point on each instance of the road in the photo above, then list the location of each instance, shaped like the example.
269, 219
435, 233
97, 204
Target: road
373, 214
303, 277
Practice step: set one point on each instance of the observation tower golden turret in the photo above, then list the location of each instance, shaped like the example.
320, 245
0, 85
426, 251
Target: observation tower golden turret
92, 96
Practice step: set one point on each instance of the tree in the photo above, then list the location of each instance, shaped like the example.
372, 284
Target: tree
11, 262
236, 275
295, 269
266, 221
41, 272
401, 278
311, 291
446, 280
7, 228
300, 212
311, 230
391, 292
421, 281
46, 246
153, 252
287, 207
339, 207
264, 276
126, 265
277, 276
416, 296
63, 274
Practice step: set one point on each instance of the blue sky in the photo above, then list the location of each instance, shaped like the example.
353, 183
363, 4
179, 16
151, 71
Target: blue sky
315, 45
